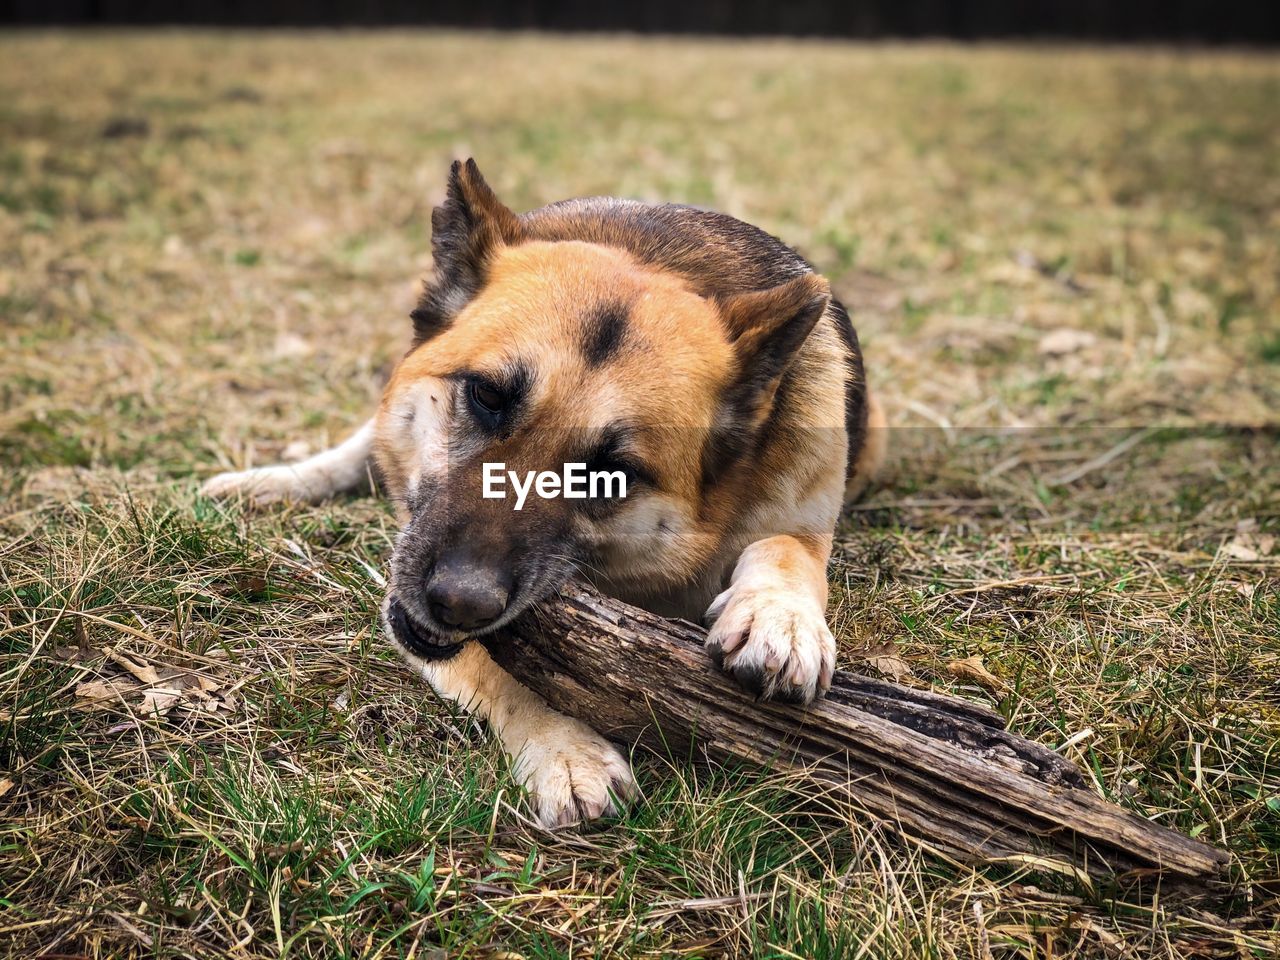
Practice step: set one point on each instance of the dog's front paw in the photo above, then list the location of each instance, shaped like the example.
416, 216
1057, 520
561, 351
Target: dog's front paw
573, 774
261, 485
775, 643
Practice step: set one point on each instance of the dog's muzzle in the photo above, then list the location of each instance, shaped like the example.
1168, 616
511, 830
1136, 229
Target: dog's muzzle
415, 638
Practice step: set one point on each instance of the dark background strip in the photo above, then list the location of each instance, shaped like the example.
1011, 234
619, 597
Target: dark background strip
1179, 21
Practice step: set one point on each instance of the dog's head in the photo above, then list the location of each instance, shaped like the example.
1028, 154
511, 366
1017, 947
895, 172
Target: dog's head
536, 355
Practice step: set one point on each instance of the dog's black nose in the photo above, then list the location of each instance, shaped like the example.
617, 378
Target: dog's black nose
466, 595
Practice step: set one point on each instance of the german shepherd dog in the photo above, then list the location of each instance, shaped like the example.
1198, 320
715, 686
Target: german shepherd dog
698, 357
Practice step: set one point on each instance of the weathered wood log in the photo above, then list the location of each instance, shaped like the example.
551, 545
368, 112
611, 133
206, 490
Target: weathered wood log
941, 770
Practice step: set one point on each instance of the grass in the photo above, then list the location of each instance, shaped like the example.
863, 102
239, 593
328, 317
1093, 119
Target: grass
209, 243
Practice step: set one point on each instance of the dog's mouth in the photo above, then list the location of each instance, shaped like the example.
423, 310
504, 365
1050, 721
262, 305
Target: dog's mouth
417, 632
418, 639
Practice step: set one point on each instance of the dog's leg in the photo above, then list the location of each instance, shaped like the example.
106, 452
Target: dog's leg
770, 628
343, 468
571, 771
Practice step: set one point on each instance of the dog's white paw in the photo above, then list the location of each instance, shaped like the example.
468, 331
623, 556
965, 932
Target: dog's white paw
774, 642
260, 485
573, 774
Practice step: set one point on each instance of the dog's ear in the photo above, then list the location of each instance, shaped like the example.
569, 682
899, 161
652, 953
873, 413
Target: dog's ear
766, 328
466, 230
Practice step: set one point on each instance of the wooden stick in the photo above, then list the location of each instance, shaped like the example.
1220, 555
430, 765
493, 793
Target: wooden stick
941, 770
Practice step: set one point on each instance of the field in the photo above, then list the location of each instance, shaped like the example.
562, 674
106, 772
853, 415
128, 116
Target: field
1064, 266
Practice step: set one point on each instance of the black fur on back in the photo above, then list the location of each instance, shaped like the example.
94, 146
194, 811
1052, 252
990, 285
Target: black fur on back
717, 253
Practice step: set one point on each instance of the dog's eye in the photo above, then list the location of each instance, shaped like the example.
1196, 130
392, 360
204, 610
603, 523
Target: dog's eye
486, 398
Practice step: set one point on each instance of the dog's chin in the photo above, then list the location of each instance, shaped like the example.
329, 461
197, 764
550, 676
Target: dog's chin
421, 640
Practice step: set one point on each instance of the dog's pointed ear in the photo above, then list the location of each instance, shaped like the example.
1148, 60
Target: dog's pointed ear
767, 327
466, 231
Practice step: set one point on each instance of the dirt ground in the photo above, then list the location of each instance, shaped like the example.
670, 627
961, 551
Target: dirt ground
1063, 264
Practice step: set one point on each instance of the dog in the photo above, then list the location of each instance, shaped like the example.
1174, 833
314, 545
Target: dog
696, 358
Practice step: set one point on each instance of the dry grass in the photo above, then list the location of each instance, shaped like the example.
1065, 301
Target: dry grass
208, 246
